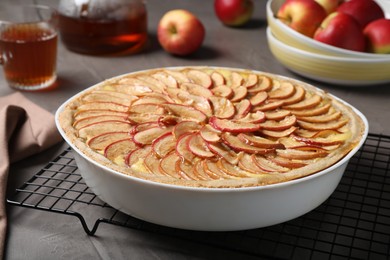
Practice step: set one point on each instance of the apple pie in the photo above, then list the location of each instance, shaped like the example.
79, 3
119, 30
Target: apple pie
211, 127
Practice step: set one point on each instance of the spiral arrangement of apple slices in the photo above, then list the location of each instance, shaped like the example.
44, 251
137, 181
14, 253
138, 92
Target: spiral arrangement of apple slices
212, 127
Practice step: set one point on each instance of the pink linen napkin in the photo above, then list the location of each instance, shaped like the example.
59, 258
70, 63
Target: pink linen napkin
25, 129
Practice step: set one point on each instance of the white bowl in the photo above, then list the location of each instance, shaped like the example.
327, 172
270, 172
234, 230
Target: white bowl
346, 71
295, 39
209, 209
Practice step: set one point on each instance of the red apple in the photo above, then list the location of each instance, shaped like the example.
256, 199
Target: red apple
364, 11
234, 12
330, 6
180, 32
378, 35
303, 16
341, 30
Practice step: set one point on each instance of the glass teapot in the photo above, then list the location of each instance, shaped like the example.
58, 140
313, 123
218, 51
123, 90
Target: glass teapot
99, 27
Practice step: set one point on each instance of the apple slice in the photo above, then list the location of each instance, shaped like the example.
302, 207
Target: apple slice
186, 112
79, 123
333, 115
256, 117
138, 84
182, 97
246, 163
223, 108
100, 142
200, 78
333, 125
155, 109
196, 89
284, 124
242, 108
232, 170
143, 118
201, 173
105, 96
198, 146
178, 76
279, 134
315, 111
210, 134
236, 80
298, 96
149, 135
156, 85
151, 163
321, 141
136, 157
144, 126
239, 145
154, 98
251, 81
287, 163
132, 90
296, 154
267, 106
93, 113
186, 170
277, 114
259, 141
267, 165
308, 103
117, 150
239, 93
233, 126
104, 127
107, 106
185, 127
222, 91
212, 169
168, 165
285, 90
168, 80
217, 79
224, 151
259, 98
264, 84
182, 148
164, 144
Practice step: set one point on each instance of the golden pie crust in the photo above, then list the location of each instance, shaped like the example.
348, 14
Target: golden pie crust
211, 127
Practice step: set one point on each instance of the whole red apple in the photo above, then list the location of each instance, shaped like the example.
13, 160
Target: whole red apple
341, 30
330, 6
378, 36
364, 11
180, 32
303, 16
234, 12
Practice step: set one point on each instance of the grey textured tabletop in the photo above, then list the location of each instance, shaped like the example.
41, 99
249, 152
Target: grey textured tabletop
37, 234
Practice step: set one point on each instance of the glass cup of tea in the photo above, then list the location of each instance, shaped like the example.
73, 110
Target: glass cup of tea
28, 45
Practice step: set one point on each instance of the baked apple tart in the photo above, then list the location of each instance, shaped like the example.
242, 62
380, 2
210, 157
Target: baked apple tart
211, 127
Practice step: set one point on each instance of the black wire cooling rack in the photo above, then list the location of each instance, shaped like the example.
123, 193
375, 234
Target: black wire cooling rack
353, 223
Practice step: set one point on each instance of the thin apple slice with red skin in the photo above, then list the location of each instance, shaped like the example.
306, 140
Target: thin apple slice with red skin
201, 173
168, 165
185, 170
185, 127
238, 145
223, 91
295, 154
156, 84
136, 156
186, 112
232, 170
79, 123
324, 141
100, 142
267, 165
279, 134
251, 81
247, 164
164, 144
132, 90
324, 133
256, 117
168, 80
143, 118
210, 134
285, 90
259, 141
242, 108
233, 126
178, 76
286, 162
315, 111
217, 79
88, 113
224, 151
222, 107
152, 99
284, 124
198, 146
144, 126
182, 148
333, 125
236, 79
308, 103
149, 135
200, 78
104, 127
155, 109
267, 106
321, 118
277, 114
298, 96
264, 84
182, 97
196, 89
258, 98
100, 105
212, 169
239, 93
151, 163
139, 84
117, 150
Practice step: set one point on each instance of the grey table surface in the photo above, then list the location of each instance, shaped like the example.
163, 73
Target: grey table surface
36, 234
